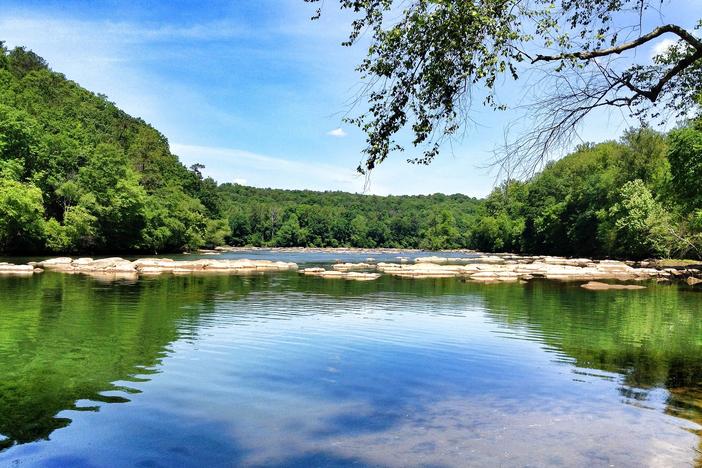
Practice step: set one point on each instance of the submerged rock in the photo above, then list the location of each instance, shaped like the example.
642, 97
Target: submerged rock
597, 286
332, 274
693, 281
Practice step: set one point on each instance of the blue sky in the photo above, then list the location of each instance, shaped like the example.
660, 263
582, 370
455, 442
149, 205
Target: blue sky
252, 89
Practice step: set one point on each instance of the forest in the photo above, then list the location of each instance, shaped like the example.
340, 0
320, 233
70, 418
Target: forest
78, 175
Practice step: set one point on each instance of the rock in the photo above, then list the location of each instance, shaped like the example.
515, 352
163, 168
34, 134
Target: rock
312, 271
613, 265
489, 259
107, 265
12, 269
484, 274
434, 260
151, 271
111, 276
163, 263
356, 276
335, 274
56, 263
82, 261
352, 266
331, 274
691, 280
597, 286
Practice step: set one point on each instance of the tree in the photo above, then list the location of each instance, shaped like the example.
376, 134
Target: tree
685, 156
290, 234
441, 232
18, 141
21, 216
641, 225
359, 232
428, 60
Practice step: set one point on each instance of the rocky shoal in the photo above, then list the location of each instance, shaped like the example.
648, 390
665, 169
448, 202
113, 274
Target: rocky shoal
481, 268
119, 267
503, 268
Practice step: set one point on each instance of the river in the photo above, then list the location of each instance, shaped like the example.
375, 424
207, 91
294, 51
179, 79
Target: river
289, 370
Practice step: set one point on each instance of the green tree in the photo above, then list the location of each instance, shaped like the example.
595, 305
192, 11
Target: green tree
21, 216
290, 234
359, 232
685, 157
441, 232
641, 225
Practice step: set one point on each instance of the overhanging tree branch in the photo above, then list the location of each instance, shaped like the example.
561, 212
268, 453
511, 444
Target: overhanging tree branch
641, 40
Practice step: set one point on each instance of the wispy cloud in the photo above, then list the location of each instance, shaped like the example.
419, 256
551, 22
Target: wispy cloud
337, 132
236, 165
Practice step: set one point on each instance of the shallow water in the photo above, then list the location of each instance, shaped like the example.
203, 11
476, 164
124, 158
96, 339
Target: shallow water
288, 370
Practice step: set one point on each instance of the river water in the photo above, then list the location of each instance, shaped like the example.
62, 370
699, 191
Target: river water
289, 370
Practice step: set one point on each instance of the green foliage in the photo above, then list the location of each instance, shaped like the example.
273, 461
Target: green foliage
639, 222
79, 175
634, 198
336, 219
21, 216
106, 181
685, 157
441, 232
429, 61
290, 234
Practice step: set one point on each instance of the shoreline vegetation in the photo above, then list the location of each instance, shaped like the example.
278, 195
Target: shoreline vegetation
477, 267
79, 176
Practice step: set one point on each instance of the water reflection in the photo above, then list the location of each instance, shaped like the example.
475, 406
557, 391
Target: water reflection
292, 370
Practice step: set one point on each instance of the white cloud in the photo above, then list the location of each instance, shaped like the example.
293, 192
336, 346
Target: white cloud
662, 47
337, 132
239, 181
233, 165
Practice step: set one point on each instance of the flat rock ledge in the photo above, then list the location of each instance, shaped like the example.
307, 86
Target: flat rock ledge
475, 268
516, 268
156, 266
19, 270
337, 274
345, 267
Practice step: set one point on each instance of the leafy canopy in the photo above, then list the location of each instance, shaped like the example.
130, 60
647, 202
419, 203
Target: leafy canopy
428, 60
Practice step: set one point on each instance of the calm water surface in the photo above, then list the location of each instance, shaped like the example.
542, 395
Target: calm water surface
287, 370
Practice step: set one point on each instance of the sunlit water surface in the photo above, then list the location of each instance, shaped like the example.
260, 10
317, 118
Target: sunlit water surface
287, 370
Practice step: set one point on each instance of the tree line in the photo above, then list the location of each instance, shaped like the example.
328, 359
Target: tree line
635, 198
78, 175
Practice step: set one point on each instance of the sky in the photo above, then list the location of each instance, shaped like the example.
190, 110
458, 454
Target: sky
254, 90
